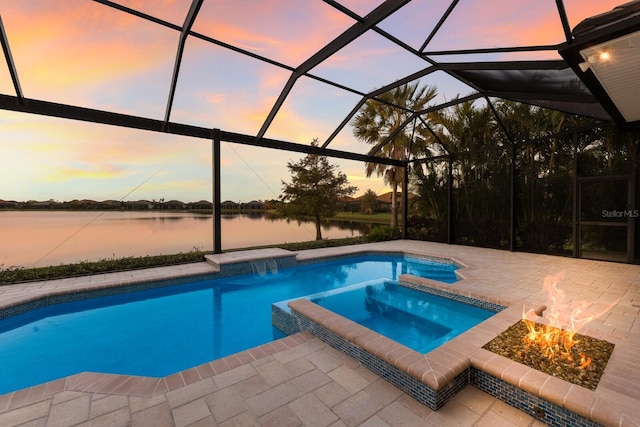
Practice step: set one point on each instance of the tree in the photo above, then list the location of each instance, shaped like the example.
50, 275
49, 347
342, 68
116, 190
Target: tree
369, 199
468, 132
315, 189
380, 118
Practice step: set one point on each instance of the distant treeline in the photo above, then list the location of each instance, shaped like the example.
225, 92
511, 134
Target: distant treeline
138, 205
368, 203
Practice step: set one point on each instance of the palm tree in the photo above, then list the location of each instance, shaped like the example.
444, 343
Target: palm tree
465, 129
380, 118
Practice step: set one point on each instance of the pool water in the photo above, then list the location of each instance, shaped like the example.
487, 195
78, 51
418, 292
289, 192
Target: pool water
160, 331
419, 320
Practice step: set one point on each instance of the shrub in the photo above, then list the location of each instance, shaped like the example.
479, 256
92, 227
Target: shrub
21, 274
383, 233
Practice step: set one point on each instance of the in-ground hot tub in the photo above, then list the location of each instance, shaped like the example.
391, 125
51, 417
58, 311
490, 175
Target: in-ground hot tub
432, 378
419, 320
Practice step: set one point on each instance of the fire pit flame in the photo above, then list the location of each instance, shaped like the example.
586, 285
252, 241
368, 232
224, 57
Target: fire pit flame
584, 361
552, 341
556, 339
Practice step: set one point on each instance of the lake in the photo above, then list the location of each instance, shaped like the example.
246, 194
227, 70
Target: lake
41, 238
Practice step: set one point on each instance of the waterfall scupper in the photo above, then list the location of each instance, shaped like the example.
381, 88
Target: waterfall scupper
258, 261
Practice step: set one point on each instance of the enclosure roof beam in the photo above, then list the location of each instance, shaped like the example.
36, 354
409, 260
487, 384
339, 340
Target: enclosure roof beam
349, 35
373, 95
499, 120
186, 27
12, 66
435, 135
524, 96
375, 28
439, 24
393, 134
565, 21
552, 64
223, 44
454, 101
537, 48
402, 81
345, 121
46, 108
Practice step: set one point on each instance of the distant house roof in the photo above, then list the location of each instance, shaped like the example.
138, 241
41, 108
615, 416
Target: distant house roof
349, 199
386, 197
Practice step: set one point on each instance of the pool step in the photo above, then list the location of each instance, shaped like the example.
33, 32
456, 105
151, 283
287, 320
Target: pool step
435, 274
405, 302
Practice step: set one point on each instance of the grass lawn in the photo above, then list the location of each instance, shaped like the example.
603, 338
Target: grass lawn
378, 218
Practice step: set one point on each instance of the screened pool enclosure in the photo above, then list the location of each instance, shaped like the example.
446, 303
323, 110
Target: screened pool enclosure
530, 143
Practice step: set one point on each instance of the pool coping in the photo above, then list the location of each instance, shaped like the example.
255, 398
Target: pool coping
607, 405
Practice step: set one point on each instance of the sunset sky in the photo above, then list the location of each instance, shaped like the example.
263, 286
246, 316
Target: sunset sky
80, 52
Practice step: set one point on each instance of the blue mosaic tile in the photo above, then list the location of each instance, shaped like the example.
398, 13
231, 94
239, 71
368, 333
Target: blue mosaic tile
377, 253
496, 308
260, 266
541, 409
282, 320
434, 399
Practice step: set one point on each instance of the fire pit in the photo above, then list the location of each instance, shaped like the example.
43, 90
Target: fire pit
554, 347
575, 358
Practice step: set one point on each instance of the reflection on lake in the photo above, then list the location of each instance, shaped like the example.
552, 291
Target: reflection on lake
41, 238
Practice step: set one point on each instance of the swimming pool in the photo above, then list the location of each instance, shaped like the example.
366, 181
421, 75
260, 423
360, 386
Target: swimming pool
163, 330
419, 320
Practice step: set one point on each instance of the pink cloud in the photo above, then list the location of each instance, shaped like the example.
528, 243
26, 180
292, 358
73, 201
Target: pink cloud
578, 10
173, 11
480, 23
216, 98
288, 31
545, 29
59, 45
88, 172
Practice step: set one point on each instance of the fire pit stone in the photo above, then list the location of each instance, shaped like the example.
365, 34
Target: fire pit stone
536, 392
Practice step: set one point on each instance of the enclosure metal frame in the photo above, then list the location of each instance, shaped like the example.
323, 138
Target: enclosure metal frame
361, 25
